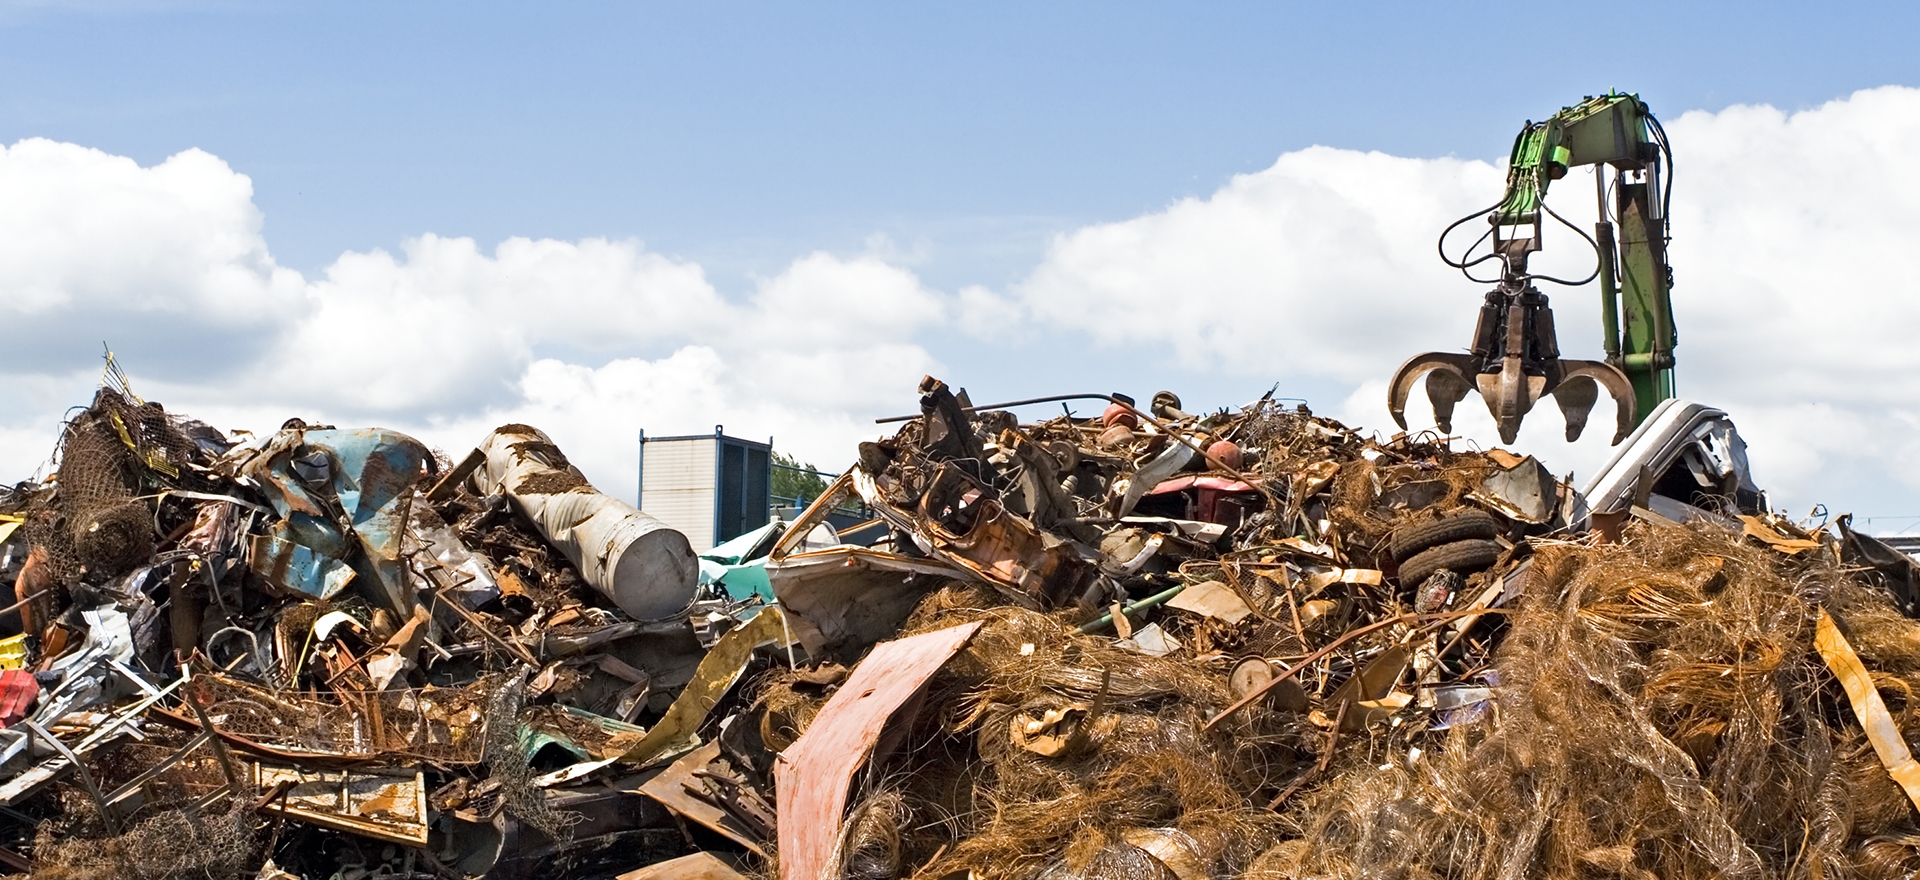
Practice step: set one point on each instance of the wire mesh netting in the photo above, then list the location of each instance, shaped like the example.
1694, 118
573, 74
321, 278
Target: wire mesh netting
110, 455
442, 725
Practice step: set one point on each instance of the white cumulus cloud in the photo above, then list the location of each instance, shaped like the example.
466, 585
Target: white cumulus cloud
1796, 303
593, 340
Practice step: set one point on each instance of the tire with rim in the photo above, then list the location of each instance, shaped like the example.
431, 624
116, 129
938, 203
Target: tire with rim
1463, 525
1463, 557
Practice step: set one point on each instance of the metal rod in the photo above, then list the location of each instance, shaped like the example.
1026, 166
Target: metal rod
1294, 670
1326, 759
1053, 398
213, 738
513, 648
1317, 656
46, 592
134, 785
86, 778
861, 526
1106, 620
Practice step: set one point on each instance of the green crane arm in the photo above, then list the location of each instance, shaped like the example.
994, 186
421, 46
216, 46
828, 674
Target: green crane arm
1618, 131
1515, 360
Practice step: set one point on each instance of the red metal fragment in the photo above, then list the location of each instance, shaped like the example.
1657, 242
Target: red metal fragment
813, 774
17, 692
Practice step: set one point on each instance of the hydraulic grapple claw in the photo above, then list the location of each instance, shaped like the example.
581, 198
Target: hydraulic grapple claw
1515, 361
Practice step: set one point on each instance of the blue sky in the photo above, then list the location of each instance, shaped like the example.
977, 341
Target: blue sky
741, 134
776, 216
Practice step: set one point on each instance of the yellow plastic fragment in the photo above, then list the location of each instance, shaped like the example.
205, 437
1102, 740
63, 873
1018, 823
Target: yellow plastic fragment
1212, 599
1754, 527
1868, 707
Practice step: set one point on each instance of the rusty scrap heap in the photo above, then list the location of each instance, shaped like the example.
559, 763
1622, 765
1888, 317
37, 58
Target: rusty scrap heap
1153, 644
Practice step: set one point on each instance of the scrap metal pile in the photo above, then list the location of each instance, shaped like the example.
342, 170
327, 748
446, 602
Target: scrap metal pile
1151, 644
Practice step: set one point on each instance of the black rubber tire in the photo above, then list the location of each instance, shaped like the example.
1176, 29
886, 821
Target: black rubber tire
1463, 557
1462, 525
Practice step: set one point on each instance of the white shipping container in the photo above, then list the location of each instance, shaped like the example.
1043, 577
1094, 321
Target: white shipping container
710, 487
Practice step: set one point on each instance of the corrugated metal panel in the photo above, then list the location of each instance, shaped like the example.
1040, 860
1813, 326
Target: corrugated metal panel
677, 486
744, 485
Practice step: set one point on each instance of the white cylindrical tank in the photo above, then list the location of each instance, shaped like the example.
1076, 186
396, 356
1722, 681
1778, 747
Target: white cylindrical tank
645, 566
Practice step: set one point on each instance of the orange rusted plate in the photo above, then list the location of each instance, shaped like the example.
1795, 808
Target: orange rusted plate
812, 775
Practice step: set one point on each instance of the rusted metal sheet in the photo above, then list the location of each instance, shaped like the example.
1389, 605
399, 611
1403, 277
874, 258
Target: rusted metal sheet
298, 568
699, 866
367, 475
388, 805
980, 538
1525, 491
1034, 567
1007, 550
674, 788
813, 774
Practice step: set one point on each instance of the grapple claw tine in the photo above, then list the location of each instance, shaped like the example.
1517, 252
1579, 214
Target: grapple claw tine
1447, 384
1510, 394
1618, 386
1576, 395
1445, 388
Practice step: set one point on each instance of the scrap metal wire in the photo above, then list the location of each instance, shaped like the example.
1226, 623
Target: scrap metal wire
171, 845
1648, 723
